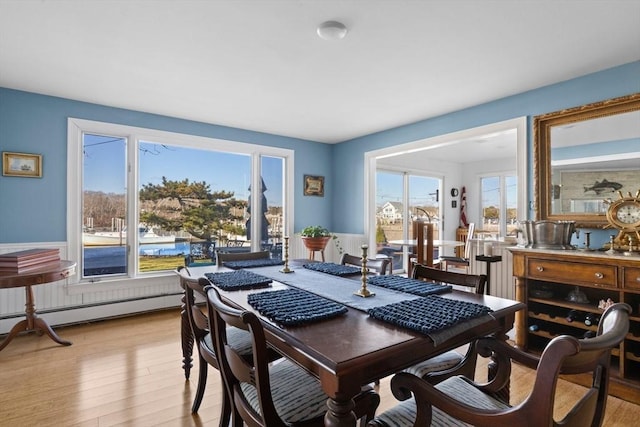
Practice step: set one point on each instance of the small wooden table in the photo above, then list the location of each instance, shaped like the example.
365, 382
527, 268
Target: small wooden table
36, 277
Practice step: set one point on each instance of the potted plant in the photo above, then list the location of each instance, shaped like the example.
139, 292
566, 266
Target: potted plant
315, 237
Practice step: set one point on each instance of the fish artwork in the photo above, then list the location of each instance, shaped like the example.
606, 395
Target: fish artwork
603, 186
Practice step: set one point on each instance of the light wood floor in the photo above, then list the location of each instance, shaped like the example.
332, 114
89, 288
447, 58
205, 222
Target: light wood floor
128, 372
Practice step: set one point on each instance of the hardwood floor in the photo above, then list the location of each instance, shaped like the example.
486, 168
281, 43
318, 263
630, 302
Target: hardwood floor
127, 371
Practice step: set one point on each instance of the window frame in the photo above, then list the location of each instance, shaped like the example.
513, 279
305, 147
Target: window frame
502, 205
76, 128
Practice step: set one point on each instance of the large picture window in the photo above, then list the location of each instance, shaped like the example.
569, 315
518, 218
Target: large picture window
141, 201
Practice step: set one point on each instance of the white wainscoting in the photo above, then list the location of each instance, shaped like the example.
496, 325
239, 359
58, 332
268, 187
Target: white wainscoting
59, 304
502, 282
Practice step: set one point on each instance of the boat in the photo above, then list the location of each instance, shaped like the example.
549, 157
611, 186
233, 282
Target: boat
146, 236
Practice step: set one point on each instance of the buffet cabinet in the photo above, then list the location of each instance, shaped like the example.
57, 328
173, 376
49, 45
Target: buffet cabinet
562, 290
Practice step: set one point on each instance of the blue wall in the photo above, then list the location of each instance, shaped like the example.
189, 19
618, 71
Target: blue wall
34, 210
348, 157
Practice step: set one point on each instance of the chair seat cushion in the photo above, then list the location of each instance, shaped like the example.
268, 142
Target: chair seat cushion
439, 363
238, 339
404, 414
296, 394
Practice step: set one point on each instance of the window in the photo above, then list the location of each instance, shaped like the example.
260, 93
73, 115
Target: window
181, 195
499, 204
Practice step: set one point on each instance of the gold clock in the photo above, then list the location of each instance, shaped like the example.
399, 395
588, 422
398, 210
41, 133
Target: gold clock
624, 215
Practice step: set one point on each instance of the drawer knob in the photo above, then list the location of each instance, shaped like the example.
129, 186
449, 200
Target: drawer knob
599, 275
638, 279
540, 268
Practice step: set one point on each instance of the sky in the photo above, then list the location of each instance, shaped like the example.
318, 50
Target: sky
222, 171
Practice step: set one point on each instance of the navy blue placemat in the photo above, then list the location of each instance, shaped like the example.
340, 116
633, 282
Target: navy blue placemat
429, 314
251, 263
334, 269
291, 307
238, 280
410, 286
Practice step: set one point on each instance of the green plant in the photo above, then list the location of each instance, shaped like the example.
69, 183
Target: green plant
316, 231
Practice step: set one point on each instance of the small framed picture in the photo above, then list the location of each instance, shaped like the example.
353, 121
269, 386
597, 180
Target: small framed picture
314, 185
22, 164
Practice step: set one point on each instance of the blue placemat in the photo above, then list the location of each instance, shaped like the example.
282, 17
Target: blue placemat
411, 286
334, 269
291, 307
429, 314
238, 280
252, 263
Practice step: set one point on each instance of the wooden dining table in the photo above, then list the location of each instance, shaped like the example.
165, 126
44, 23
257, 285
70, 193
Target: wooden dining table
354, 349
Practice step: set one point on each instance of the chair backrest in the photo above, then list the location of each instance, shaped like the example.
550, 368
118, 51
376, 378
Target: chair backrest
223, 257
378, 266
475, 282
238, 372
467, 243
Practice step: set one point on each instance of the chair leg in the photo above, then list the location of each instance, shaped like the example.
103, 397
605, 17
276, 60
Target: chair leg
225, 413
202, 384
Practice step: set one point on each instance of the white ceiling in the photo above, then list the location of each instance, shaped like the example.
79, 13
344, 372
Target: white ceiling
259, 65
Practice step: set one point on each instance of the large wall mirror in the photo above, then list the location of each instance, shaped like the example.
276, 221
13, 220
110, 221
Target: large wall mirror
584, 156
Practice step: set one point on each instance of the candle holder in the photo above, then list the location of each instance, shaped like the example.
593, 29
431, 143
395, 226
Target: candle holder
363, 291
286, 268
611, 250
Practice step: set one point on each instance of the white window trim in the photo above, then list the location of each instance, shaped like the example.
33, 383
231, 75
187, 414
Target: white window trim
502, 205
75, 130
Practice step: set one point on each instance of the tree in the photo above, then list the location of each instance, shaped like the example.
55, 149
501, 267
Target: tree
192, 207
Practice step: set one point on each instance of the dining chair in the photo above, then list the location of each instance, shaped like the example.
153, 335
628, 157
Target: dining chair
222, 257
283, 394
461, 401
460, 262
452, 362
203, 340
379, 266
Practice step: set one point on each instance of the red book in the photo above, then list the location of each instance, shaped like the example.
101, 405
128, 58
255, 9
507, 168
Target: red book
35, 267
29, 254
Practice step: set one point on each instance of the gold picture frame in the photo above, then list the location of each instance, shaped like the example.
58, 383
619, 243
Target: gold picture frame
21, 164
314, 185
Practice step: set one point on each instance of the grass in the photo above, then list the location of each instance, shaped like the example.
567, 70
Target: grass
156, 263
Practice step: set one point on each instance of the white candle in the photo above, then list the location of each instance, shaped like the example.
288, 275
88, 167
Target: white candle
488, 249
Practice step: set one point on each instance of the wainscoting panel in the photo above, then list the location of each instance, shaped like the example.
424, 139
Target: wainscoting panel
502, 282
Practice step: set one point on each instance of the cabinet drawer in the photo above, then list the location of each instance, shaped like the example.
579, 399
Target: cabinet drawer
572, 272
631, 278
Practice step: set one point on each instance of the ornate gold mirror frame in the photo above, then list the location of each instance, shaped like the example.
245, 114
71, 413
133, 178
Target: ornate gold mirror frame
544, 188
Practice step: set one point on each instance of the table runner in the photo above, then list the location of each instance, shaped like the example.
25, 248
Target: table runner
333, 269
237, 280
411, 286
252, 263
340, 289
292, 307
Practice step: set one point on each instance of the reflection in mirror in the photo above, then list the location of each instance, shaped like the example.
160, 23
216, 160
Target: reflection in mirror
584, 156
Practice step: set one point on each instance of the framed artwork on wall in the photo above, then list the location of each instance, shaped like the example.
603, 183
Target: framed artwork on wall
21, 164
314, 185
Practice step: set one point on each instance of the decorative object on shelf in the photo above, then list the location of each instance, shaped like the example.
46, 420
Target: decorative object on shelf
363, 291
577, 296
22, 164
286, 268
624, 215
548, 234
603, 305
314, 185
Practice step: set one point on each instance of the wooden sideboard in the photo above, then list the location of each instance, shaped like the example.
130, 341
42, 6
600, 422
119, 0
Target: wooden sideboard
547, 281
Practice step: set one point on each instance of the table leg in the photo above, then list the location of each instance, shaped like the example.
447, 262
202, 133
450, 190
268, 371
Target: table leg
32, 323
339, 413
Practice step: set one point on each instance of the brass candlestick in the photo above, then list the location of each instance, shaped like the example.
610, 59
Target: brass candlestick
363, 291
611, 248
286, 268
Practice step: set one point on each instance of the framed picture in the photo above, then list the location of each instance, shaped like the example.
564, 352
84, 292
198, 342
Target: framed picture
22, 164
314, 185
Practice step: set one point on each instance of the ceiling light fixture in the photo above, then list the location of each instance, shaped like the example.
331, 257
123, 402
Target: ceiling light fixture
332, 30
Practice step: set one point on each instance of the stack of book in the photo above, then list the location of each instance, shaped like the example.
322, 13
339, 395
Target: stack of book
28, 260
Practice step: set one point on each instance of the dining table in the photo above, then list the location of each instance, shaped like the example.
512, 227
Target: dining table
354, 349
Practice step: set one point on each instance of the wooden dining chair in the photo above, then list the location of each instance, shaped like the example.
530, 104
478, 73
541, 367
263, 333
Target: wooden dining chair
451, 362
461, 401
222, 257
203, 340
460, 262
279, 395
378, 266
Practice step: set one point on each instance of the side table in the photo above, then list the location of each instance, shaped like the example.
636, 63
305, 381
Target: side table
33, 323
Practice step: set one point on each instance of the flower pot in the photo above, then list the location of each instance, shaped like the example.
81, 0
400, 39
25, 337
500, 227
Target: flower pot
316, 244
